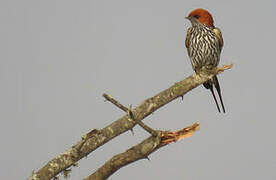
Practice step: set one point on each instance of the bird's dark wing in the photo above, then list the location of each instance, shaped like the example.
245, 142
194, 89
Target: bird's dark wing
219, 36
188, 36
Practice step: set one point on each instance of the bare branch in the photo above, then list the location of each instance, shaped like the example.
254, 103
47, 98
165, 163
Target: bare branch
141, 151
115, 102
130, 114
97, 138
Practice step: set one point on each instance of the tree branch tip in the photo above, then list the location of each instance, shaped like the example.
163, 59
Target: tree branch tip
106, 96
169, 137
224, 67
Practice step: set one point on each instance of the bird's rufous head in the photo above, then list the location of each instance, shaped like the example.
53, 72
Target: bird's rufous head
202, 16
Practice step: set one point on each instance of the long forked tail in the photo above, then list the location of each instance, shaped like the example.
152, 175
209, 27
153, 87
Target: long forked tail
209, 85
216, 82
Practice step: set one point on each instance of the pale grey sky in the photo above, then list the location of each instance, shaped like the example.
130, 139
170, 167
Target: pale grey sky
59, 56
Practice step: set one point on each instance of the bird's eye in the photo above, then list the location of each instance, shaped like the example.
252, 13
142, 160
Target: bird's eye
196, 16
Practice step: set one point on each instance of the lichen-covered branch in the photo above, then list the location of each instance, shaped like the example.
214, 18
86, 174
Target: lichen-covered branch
141, 151
97, 138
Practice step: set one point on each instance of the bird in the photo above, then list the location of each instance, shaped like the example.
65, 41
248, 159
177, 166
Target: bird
204, 44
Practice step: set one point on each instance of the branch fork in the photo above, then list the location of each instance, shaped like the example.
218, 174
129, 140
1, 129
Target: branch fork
130, 114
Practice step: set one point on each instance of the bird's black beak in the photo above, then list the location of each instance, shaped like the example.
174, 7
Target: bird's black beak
188, 17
